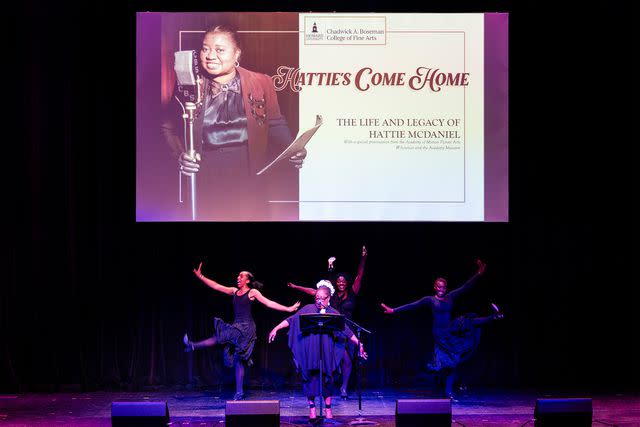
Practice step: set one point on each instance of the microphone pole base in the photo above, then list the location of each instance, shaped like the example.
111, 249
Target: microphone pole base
362, 422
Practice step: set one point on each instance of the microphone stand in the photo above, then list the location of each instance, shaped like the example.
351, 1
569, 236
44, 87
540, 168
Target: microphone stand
189, 117
360, 420
190, 108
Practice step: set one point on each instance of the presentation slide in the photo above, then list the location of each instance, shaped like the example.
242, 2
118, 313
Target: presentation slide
322, 117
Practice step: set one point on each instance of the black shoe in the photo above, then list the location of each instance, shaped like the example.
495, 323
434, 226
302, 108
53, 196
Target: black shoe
453, 397
343, 394
188, 345
238, 396
496, 312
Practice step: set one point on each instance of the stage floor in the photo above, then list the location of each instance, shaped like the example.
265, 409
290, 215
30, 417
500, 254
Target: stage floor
206, 408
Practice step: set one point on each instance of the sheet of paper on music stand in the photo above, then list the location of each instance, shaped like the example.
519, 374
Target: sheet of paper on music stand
297, 145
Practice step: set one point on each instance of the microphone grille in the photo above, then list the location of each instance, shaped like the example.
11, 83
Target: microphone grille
184, 67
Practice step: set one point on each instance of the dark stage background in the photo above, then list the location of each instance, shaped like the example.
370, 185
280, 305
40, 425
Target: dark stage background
91, 300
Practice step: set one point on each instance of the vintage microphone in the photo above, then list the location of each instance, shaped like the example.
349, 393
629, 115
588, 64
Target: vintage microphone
323, 308
189, 95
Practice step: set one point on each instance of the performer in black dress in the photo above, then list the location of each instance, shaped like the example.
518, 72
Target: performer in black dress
344, 300
454, 340
240, 336
306, 350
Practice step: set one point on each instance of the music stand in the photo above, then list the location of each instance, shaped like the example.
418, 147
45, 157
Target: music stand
319, 324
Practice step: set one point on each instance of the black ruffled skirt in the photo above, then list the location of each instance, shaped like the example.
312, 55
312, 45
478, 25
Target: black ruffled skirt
455, 344
238, 340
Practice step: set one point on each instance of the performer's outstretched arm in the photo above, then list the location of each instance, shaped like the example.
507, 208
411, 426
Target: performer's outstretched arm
411, 306
272, 304
358, 281
470, 282
309, 291
229, 290
274, 331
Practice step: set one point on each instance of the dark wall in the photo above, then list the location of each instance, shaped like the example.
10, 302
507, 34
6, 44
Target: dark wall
90, 297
